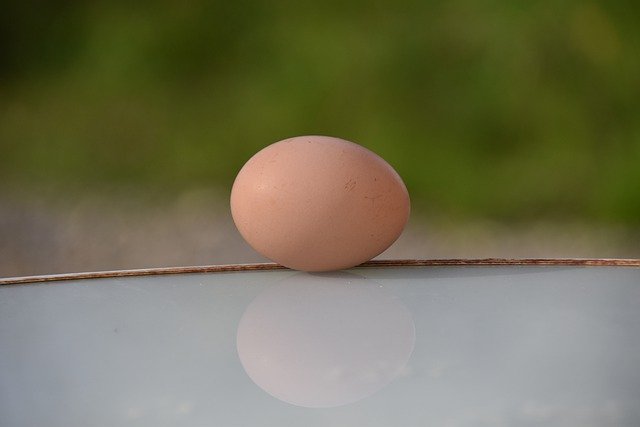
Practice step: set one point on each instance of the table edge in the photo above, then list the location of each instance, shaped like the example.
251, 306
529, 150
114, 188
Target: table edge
587, 262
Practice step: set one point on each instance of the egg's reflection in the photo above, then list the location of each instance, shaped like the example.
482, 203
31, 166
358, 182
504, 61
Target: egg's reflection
325, 340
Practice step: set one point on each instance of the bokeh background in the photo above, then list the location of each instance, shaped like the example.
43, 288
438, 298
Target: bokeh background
515, 124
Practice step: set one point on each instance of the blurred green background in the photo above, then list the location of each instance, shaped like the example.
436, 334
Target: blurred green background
506, 110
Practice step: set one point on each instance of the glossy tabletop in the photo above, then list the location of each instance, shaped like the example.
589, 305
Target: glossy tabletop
386, 346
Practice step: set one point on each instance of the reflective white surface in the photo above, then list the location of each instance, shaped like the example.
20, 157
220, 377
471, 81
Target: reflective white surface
445, 346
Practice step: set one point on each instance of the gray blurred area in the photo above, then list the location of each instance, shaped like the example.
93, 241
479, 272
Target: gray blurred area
105, 232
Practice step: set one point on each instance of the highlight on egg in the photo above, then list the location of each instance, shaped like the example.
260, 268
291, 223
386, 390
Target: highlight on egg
318, 203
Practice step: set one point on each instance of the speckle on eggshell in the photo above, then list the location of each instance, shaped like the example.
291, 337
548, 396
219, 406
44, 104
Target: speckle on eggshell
318, 203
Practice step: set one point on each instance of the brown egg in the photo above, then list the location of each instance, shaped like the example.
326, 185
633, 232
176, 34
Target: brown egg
317, 203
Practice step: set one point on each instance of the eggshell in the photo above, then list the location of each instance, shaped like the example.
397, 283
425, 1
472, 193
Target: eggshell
325, 340
317, 203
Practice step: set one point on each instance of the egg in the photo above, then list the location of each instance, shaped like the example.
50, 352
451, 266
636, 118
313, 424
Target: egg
318, 203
